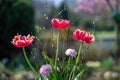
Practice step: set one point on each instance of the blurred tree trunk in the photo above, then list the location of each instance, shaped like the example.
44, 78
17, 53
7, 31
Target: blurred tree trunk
116, 17
118, 40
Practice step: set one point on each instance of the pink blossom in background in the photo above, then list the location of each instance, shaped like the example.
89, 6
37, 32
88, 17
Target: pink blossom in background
93, 6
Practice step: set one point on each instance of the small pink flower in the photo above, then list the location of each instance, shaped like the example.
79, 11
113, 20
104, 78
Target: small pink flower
22, 41
45, 69
71, 52
83, 36
60, 23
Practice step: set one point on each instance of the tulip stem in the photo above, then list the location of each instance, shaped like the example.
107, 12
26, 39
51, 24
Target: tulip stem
57, 50
30, 65
79, 53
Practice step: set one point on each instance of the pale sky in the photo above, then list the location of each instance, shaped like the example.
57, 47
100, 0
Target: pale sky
56, 2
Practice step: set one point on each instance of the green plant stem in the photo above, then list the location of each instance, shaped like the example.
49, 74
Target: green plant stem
30, 65
74, 70
79, 53
68, 64
77, 60
57, 50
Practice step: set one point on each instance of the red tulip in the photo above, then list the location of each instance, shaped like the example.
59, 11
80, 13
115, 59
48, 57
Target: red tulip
60, 23
22, 41
89, 39
83, 36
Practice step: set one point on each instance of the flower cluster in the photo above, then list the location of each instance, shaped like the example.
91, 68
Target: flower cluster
51, 68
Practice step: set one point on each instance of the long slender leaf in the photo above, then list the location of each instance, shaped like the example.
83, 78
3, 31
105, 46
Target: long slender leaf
79, 76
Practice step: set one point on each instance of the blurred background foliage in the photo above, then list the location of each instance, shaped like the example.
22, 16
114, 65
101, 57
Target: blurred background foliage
16, 16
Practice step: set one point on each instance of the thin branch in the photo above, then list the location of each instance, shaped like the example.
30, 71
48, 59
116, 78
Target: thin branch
110, 5
69, 17
117, 6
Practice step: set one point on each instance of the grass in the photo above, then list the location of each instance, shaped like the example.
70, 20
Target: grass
103, 34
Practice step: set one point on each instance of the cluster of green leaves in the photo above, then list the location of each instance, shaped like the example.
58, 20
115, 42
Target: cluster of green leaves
108, 63
67, 69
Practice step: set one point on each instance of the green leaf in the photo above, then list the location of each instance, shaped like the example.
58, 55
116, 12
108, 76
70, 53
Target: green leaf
79, 76
49, 61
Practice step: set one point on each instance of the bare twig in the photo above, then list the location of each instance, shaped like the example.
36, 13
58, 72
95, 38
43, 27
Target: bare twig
117, 6
110, 5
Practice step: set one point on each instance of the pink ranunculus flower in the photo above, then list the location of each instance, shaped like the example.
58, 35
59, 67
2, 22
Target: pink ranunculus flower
45, 69
83, 36
60, 23
71, 52
22, 41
